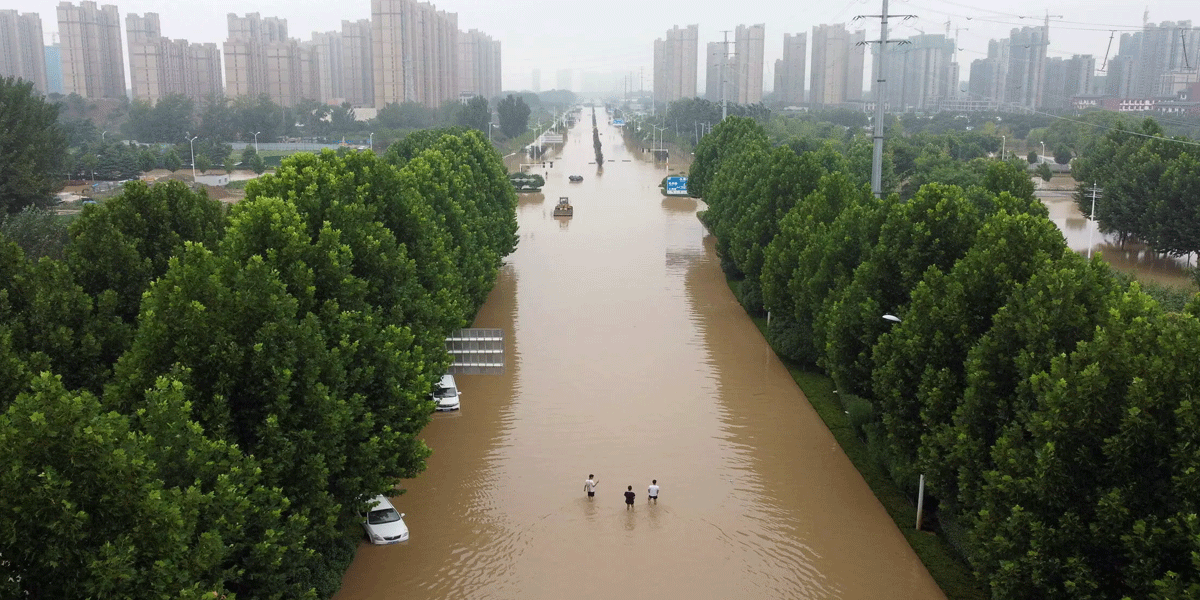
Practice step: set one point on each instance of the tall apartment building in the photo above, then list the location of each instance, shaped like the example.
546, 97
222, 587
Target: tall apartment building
416, 52
748, 63
22, 54
327, 49
1067, 78
564, 79
159, 66
357, 71
789, 70
54, 78
535, 82
716, 63
478, 64
1165, 58
92, 62
989, 75
837, 65
1026, 66
675, 64
246, 53
920, 73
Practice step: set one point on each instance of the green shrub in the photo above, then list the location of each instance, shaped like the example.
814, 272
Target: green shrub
859, 412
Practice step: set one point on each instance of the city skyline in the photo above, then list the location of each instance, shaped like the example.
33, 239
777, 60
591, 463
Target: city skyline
537, 35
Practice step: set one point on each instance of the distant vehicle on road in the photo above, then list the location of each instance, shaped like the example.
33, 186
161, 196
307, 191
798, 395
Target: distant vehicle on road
564, 208
576, 178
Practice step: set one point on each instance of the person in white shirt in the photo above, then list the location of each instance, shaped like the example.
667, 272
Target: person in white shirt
589, 486
652, 492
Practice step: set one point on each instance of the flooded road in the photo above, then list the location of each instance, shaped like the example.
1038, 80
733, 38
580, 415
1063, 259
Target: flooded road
1081, 232
628, 357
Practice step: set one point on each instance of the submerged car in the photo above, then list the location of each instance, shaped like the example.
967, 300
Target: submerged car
576, 178
383, 524
446, 394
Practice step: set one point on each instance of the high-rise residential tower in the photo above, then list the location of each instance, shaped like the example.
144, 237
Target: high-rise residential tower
919, 73
22, 54
92, 62
789, 70
675, 64
415, 53
357, 70
478, 64
748, 63
159, 66
837, 65
246, 53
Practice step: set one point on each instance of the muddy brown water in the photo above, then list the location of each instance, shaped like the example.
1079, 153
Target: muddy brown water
628, 357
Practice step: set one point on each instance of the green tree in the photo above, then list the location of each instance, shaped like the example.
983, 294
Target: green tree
38, 231
31, 147
1044, 171
257, 164
514, 115
127, 242
171, 161
724, 141
475, 114
203, 163
1032, 157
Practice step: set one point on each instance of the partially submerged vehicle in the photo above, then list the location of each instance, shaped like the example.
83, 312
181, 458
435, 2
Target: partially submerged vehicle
564, 208
576, 178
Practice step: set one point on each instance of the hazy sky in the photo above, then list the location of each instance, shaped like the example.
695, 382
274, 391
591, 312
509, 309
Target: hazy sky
618, 35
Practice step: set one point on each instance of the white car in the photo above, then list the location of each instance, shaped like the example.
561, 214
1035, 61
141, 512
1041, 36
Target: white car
446, 394
383, 524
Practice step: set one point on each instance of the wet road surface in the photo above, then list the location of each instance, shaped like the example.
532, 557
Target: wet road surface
628, 357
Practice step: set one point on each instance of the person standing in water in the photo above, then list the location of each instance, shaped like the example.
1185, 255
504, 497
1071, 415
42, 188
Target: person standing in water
629, 495
652, 492
589, 486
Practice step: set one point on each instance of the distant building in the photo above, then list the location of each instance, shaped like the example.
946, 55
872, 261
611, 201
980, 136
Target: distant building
93, 64
245, 53
355, 75
919, 74
564, 79
675, 64
159, 66
535, 83
789, 71
416, 53
748, 63
327, 48
1067, 79
54, 78
479, 64
1026, 66
22, 54
716, 62
837, 65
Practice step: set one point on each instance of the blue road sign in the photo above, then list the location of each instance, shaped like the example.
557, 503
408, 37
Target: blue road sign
677, 186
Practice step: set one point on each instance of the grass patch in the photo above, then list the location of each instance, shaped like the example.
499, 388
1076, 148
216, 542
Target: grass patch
951, 574
238, 185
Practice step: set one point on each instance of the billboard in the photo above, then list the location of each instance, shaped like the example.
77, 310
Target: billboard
677, 186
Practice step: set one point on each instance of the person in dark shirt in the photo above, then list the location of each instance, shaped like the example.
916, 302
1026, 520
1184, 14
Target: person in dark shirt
629, 495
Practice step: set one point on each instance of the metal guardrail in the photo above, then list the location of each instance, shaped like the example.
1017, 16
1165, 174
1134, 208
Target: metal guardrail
476, 351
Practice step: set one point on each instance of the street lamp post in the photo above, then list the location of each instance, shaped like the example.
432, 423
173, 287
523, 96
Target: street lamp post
1043, 153
921, 488
256, 141
102, 134
371, 140
192, 145
1002, 142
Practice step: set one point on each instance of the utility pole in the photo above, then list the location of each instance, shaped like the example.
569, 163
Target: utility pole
880, 98
1092, 218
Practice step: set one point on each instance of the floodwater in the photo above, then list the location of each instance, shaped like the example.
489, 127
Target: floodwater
1082, 233
628, 357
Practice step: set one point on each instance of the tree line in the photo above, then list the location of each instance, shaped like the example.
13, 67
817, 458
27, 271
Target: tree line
1049, 404
199, 400
1147, 186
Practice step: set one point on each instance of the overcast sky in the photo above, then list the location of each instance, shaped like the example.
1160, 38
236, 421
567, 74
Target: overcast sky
618, 35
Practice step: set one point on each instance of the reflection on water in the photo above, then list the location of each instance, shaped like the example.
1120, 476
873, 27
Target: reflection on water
629, 358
